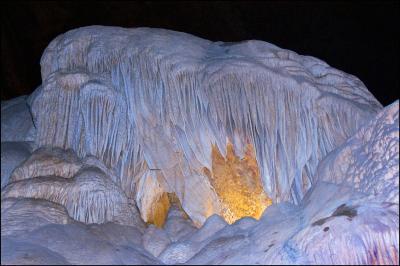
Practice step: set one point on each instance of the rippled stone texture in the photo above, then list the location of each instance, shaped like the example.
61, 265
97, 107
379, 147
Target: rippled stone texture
153, 102
148, 146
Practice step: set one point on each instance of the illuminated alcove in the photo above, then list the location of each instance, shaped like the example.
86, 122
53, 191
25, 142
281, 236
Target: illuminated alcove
158, 212
236, 182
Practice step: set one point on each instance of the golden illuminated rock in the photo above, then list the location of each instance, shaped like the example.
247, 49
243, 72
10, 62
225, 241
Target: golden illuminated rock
236, 181
238, 184
158, 212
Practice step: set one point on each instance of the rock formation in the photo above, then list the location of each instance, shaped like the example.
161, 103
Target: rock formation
149, 146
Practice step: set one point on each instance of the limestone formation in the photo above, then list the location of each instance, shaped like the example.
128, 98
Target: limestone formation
142, 104
12, 154
47, 161
149, 146
16, 121
368, 161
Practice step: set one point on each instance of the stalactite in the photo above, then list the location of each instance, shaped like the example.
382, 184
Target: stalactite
136, 126
163, 98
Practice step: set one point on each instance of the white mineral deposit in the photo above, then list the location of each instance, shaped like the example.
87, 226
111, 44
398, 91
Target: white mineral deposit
150, 146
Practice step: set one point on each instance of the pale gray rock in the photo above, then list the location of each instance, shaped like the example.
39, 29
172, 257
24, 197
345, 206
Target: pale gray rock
87, 248
23, 253
20, 216
221, 250
90, 196
155, 240
48, 161
16, 120
12, 154
213, 224
118, 234
369, 160
245, 223
176, 226
325, 232
177, 253
36, 231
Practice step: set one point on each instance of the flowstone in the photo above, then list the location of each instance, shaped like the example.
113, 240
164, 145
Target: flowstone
149, 146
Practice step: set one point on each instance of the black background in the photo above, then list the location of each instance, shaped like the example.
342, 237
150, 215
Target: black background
360, 38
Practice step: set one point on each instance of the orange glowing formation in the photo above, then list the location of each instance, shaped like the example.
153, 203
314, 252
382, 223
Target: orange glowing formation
238, 184
159, 209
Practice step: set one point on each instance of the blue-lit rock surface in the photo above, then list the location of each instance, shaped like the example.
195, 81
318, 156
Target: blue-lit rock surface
111, 160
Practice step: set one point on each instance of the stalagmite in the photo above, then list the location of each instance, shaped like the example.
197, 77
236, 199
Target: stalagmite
89, 194
47, 162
